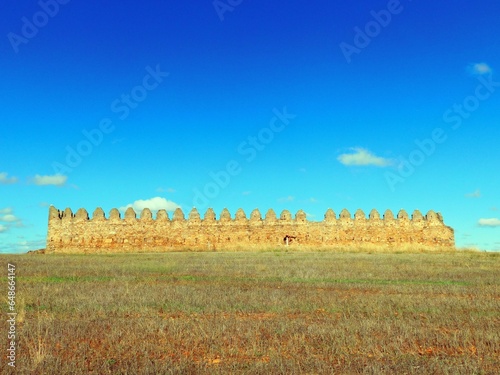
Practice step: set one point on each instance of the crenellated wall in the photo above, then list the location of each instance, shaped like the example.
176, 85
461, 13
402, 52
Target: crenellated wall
79, 233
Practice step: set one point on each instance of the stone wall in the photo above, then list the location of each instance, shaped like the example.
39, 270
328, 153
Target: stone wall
77, 233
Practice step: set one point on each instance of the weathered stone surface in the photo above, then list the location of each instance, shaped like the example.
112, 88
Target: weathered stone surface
345, 222
78, 233
300, 217
388, 215
194, 218
146, 214
271, 216
432, 218
225, 215
179, 215
330, 216
82, 215
417, 216
209, 216
194, 215
54, 213
256, 220
114, 215
286, 216
374, 215
345, 215
162, 215
255, 215
403, 215
240, 216
359, 215
67, 214
98, 214
130, 214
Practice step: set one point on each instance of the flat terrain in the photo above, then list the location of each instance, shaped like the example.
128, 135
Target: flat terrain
256, 313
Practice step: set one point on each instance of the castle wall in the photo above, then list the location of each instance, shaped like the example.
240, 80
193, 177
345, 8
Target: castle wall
78, 233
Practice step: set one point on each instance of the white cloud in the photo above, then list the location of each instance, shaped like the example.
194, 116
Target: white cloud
479, 69
6, 180
363, 157
3, 228
476, 194
9, 218
55, 180
286, 199
246, 193
493, 222
154, 204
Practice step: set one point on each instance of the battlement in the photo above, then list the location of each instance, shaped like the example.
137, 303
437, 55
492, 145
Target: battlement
69, 232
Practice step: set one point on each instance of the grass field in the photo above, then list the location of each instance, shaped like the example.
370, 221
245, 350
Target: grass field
256, 313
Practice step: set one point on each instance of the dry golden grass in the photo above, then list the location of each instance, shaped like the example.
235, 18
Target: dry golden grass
258, 313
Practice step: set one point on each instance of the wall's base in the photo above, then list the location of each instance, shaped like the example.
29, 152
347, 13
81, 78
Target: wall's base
372, 248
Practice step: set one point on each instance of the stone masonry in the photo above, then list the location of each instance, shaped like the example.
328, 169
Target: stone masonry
77, 233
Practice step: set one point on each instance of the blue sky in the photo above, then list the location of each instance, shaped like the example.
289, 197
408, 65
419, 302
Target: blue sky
367, 104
